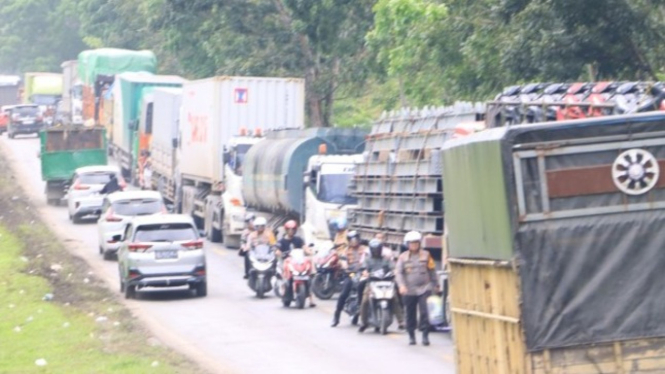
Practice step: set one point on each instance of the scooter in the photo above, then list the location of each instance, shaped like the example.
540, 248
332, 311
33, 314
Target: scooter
296, 278
381, 290
329, 276
352, 304
262, 260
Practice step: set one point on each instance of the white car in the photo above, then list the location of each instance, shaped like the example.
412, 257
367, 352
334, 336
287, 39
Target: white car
162, 250
118, 209
83, 197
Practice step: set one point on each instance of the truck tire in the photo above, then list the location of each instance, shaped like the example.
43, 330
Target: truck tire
215, 235
230, 241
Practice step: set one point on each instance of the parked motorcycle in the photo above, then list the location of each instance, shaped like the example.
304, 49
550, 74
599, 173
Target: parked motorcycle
297, 275
329, 276
381, 291
262, 260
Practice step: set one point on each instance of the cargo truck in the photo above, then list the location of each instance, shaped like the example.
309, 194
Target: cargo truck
127, 91
555, 237
214, 111
302, 175
9, 90
70, 109
97, 69
44, 90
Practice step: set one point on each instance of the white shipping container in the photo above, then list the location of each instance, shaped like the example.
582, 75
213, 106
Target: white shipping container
216, 109
69, 78
166, 115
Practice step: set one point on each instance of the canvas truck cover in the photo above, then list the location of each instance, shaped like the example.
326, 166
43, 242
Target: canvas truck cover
112, 61
215, 109
127, 93
583, 203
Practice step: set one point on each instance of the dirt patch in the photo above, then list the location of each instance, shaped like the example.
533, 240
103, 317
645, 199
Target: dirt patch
74, 285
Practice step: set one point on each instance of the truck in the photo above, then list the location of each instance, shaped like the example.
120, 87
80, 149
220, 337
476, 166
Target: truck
555, 246
45, 90
70, 109
300, 175
128, 90
9, 90
64, 149
164, 143
214, 113
97, 69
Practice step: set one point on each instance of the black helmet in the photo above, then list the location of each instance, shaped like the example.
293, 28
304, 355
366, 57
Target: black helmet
375, 247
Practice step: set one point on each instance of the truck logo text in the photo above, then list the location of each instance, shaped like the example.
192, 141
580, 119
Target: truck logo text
240, 96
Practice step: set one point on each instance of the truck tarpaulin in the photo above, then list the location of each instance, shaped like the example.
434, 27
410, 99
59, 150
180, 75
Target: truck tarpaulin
112, 61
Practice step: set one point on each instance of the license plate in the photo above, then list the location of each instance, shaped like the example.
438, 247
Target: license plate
28, 122
165, 255
301, 277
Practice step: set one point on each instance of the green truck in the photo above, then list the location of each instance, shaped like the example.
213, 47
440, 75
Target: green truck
65, 149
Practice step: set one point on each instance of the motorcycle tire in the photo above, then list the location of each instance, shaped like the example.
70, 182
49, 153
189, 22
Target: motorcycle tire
260, 290
319, 289
301, 296
385, 320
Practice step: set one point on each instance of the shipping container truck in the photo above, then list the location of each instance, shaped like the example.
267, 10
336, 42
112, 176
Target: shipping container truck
302, 175
97, 69
43, 89
164, 143
215, 111
71, 106
398, 184
555, 237
127, 91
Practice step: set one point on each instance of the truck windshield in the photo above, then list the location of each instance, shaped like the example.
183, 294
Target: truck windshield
137, 207
171, 232
333, 188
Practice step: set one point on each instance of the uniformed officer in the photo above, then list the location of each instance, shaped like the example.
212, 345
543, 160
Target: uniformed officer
244, 246
259, 236
416, 278
341, 242
352, 261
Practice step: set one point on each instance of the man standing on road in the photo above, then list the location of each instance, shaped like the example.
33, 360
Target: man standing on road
377, 261
257, 237
351, 262
416, 278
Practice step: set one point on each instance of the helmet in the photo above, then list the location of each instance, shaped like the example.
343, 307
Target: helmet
340, 224
260, 221
291, 225
412, 236
352, 235
249, 217
375, 247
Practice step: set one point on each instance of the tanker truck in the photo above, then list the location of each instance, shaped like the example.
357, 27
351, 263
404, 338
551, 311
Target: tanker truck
303, 175
214, 114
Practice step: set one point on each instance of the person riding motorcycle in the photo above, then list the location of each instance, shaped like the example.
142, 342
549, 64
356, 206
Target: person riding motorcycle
376, 261
352, 260
259, 236
341, 242
416, 277
111, 186
291, 241
244, 247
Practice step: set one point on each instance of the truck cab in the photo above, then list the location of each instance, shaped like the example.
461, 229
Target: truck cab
327, 196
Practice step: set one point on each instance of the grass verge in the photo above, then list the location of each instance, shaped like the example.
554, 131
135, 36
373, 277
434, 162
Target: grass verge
83, 328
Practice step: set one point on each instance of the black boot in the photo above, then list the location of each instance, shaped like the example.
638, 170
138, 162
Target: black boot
335, 320
412, 338
354, 320
425, 338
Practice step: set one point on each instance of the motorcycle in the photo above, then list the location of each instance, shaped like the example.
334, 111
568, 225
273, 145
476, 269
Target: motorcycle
296, 278
262, 260
381, 291
329, 276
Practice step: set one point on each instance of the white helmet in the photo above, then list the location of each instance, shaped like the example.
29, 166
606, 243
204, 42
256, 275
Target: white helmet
412, 236
260, 221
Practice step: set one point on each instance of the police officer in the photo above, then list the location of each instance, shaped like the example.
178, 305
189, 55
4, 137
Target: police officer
352, 260
244, 246
377, 261
259, 236
341, 242
416, 278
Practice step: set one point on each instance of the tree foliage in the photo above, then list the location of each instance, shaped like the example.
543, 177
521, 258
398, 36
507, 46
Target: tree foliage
358, 56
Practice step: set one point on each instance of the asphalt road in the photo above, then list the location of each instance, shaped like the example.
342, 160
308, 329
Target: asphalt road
231, 330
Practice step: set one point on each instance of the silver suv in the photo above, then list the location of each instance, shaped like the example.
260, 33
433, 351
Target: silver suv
161, 251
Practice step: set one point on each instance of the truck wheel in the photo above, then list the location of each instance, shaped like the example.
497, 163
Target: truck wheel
76, 220
10, 135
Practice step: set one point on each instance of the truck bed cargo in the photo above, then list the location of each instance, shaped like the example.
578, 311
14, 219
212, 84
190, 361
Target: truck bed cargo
216, 109
272, 167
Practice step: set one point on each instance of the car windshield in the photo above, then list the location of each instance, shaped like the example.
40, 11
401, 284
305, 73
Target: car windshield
333, 188
137, 207
95, 178
26, 111
170, 232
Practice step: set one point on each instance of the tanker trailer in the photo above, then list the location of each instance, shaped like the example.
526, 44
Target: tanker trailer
302, 175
